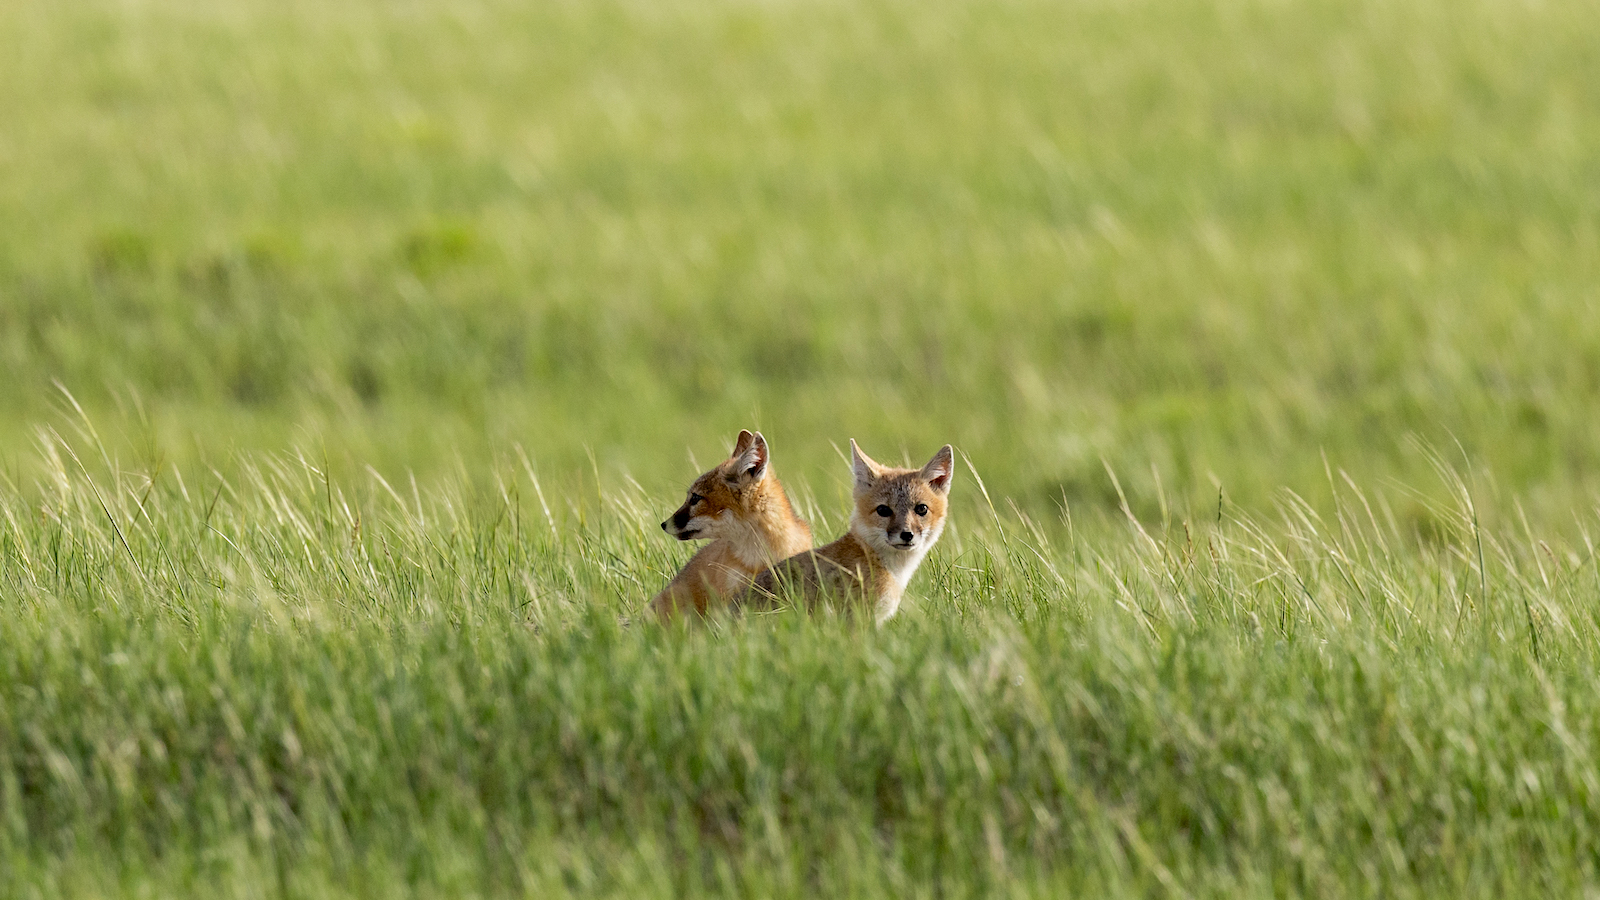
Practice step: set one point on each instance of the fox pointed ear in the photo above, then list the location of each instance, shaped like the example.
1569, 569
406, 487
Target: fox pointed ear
743, 443
939, 469
865, 469
751, 464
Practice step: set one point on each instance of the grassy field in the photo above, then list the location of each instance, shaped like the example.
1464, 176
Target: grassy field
352, 352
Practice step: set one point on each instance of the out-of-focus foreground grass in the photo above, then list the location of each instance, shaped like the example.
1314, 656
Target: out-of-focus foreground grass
1217, 298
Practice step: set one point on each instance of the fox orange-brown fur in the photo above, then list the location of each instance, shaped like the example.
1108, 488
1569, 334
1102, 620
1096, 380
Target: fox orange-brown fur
898, 515
742, 509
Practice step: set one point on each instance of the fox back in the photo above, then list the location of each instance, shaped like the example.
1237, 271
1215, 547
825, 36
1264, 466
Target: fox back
742, 510
898, 516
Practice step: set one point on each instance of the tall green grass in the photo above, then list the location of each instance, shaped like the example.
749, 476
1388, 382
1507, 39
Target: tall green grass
352, 350
280, 684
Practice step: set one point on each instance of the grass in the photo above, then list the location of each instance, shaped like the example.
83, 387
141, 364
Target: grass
352, 352
285, 685
1215, 238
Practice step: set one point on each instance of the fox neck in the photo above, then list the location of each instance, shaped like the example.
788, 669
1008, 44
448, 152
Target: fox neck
771, 532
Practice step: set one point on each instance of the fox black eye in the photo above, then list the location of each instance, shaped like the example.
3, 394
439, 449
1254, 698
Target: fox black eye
695, 498
885, 511
922, 509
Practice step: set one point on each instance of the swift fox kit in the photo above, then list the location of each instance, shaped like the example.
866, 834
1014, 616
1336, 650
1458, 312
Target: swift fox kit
742, 509
899, 514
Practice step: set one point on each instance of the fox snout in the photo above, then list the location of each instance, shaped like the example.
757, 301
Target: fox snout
675, 526
902, 539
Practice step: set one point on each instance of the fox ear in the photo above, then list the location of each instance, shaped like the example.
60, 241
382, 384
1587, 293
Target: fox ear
743, 443
939, 469
865, 469
751, 465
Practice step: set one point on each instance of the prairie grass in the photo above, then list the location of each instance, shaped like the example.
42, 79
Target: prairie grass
1214, 237
275, 683
351, 352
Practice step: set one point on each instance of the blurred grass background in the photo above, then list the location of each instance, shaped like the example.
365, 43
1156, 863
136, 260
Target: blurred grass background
1314, 279
1220, 239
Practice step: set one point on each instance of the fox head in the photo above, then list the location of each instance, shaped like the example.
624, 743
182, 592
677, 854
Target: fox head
716, 498
900, 511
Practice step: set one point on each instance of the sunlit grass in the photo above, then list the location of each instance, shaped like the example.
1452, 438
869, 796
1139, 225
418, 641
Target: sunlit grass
351, 352
344, 687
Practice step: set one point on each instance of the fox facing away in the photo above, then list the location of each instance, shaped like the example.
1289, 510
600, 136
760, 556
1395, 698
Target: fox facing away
741, 508
898, 515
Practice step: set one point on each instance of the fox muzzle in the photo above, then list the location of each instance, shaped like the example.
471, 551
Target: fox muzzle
677, 525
